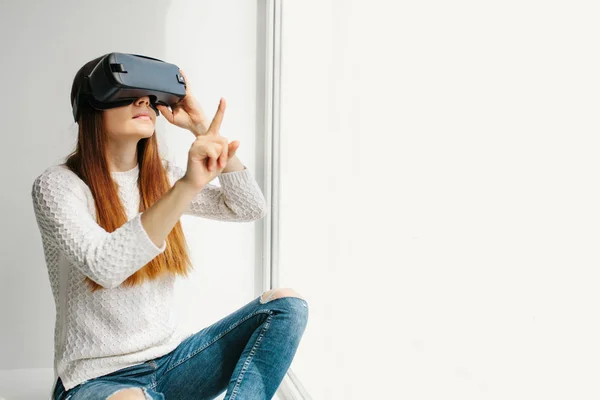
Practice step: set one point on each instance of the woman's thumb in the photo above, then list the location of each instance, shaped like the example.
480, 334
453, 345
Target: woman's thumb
233, 146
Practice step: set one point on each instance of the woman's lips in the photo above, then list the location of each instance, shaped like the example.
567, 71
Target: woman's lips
144, 117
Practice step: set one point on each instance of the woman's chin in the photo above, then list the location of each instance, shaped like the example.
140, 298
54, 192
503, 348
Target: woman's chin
146, 132
143, 128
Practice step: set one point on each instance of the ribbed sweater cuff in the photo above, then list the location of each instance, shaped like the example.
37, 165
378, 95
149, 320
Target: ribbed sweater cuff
236, 177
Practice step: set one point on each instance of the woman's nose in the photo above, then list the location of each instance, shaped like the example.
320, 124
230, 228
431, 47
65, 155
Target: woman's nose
142, 100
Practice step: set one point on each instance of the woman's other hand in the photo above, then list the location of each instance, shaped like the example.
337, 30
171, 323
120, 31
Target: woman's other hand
209, 153
187, 113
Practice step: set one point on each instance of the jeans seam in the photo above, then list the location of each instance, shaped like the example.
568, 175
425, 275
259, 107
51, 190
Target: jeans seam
234, 392
219, 336
152, 385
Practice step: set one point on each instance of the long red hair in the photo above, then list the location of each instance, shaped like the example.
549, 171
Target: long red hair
88, 161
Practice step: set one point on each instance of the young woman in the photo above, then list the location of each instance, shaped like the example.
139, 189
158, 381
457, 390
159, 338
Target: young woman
113, 244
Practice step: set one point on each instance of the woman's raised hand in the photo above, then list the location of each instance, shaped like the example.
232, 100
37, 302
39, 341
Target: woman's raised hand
209, 153
187, 113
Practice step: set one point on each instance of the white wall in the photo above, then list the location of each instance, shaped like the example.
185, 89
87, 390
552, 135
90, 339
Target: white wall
440, 197
43, 45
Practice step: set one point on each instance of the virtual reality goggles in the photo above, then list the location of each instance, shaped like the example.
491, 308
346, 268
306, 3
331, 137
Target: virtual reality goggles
120, 78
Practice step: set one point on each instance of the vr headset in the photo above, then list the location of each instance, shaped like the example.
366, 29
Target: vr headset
120, 78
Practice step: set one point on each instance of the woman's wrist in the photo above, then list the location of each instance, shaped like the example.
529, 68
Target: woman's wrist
199, 129
187, 189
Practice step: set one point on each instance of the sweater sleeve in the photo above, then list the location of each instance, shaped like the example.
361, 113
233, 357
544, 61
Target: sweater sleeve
238, 199
63, 218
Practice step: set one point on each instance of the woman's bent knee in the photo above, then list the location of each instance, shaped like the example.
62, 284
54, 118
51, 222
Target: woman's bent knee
278, 293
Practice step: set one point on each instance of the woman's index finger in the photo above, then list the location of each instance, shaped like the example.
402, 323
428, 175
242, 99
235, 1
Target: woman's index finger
215, 125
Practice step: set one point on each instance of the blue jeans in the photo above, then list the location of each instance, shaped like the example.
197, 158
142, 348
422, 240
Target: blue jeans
246, 353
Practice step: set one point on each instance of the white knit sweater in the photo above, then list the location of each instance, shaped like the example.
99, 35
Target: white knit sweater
117, 327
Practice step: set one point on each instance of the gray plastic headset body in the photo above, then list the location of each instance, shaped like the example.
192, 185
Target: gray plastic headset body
120, 78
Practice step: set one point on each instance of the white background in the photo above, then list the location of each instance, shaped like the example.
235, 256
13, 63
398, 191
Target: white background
440, 202
440, 206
